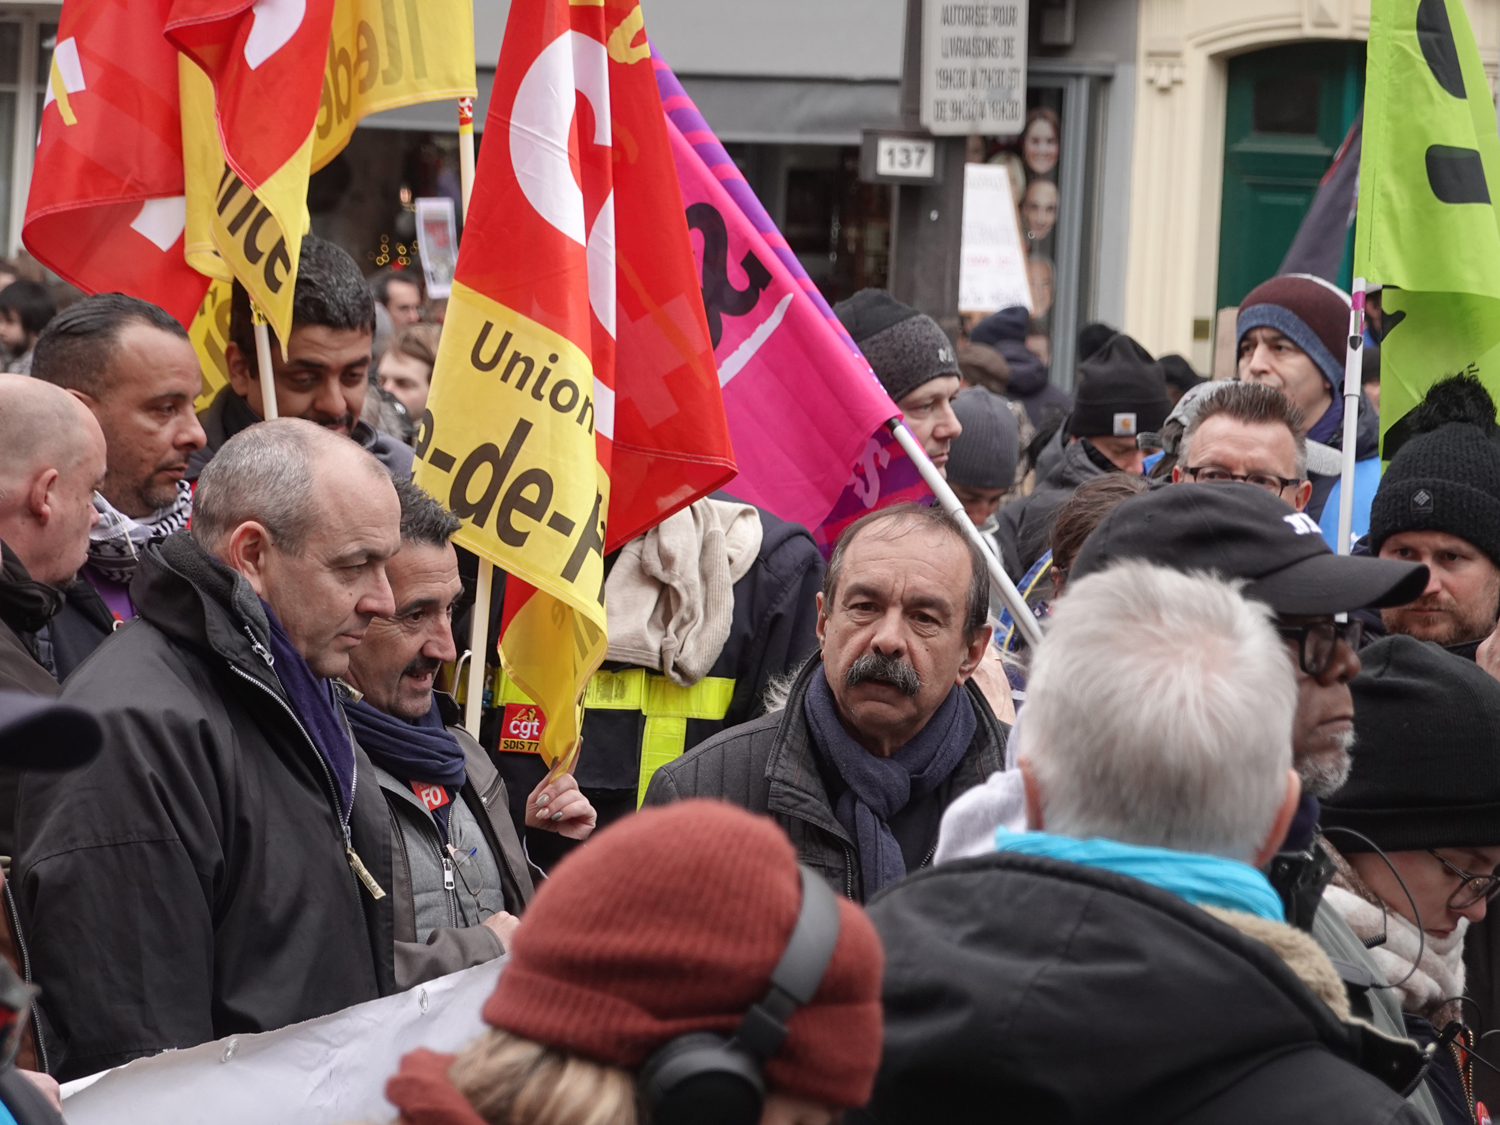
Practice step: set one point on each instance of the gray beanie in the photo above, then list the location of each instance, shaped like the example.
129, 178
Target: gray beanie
906, 348
985, 454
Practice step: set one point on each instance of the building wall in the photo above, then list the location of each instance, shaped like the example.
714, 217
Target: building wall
1182, 53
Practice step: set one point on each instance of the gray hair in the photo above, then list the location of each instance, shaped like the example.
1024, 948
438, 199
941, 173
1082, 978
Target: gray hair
1252, 404
265, 473
1159, 712
924, 517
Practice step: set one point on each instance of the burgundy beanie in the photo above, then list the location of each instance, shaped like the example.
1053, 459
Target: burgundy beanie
1309, 312
670, 922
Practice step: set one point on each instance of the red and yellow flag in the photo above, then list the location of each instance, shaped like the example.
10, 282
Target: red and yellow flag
575, 401
107, 207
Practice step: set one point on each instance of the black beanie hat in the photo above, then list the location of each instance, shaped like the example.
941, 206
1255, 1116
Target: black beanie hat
1121, 392
906, 348
1427, 761
985, 454
1447, 480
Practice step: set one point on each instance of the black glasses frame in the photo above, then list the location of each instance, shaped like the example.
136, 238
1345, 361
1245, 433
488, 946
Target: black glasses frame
1317, 644
1477, 887
1242, 478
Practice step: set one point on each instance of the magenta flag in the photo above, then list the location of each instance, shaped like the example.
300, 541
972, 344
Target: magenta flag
800, 397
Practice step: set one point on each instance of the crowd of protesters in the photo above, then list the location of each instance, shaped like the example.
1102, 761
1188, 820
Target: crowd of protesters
1218, 850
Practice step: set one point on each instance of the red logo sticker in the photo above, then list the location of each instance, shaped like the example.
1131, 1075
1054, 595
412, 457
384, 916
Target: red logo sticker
433, 796
521, 728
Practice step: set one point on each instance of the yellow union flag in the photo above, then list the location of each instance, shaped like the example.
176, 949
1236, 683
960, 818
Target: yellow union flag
508, 445
384, 54
232, 232
209, 332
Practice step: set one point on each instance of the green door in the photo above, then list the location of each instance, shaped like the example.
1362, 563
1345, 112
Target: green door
1287, 113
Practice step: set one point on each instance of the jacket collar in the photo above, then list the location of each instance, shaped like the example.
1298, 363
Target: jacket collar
25, 604
796, 785
197, 601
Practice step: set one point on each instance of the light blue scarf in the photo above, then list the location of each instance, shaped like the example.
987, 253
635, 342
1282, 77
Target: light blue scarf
1205, 880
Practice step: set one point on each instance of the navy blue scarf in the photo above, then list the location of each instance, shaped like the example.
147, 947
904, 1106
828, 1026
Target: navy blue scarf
423, 751
313, 701
879, 788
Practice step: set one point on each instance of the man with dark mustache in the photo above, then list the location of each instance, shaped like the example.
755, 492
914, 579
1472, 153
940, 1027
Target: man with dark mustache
883, 732
460, 875
325, 374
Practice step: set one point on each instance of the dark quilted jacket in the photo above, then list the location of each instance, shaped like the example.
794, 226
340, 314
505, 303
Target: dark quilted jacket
768, 766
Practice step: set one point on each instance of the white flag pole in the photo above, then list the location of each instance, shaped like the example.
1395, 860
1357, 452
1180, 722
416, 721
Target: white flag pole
479, 622
1353, 364
267, 376
1019, 611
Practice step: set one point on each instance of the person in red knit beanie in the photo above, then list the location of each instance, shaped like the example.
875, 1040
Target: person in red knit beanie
669, 923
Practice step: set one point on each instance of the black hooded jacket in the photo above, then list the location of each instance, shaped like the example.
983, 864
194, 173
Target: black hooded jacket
1025, 989
1366, 445
1005, 331
192, 881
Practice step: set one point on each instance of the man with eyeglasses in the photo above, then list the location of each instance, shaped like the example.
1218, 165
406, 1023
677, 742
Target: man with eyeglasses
1239, 530
1416, 837
1251, 433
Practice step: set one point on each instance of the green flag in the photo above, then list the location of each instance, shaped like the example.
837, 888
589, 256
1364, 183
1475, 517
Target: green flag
1427, 223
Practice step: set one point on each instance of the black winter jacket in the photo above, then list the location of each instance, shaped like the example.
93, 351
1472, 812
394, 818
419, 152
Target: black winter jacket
1026, 989
81, 626
1005, 331
769, 765
1025, 527
193, 881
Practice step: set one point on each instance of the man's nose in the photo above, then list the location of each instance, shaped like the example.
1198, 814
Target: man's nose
1258, 361
439, 643
330, 400
889, 638
191, 436
377, 600
948, 426
1475, 911
1342, 668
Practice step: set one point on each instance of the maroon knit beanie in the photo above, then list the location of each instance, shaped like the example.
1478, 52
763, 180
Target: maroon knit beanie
670, 922
1310, 313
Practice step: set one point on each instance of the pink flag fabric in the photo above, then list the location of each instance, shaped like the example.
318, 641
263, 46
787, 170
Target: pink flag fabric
800, 397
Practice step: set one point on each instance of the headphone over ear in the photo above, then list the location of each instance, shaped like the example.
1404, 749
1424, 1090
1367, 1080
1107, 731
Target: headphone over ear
705, 1077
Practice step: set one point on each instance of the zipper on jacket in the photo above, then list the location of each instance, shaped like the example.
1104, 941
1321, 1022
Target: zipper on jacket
848, 872
36, 1012
356, 865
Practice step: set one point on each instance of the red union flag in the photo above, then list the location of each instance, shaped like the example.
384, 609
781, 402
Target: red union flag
575, 402
107, 207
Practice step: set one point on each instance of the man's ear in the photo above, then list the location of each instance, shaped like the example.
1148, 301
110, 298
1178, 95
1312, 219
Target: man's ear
247, 550
974, 653
41, 496
1177, 476
821, 626
1302, 495
1275, 837
243, 376
1033, 797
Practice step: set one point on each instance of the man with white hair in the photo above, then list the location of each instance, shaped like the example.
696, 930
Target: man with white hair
224, 864
1125, 957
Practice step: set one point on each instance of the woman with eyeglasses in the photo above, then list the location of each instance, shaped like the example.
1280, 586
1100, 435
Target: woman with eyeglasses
1415, 832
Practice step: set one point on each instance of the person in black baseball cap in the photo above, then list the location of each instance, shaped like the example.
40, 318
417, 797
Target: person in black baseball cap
1243, 531
915, 362
1416, 836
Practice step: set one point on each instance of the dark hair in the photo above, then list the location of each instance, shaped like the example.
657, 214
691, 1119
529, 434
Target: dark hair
423, 519
75, 349
330, 292
380, 284
1254, 404
1091, 501
976, 611
31, 302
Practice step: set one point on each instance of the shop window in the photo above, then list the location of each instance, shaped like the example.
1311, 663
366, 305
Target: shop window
26, 43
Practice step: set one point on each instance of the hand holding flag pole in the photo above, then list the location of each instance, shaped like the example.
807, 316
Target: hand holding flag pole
1019, 611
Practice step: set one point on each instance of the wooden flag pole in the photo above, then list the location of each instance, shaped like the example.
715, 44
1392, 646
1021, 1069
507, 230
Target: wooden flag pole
267, 376
479, 622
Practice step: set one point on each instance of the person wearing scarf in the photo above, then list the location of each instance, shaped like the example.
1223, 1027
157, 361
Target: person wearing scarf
1415, 833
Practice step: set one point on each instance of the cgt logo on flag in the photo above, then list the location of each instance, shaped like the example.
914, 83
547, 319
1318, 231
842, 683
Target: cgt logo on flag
521, 728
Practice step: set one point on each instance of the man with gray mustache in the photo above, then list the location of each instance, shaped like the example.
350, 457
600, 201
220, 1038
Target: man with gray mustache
884, 729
